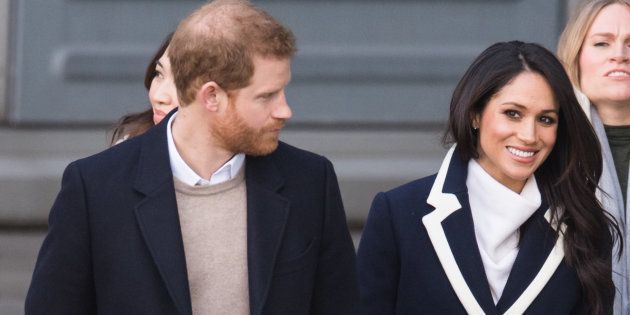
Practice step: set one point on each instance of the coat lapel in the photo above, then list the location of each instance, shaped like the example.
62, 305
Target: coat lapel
540, 254
451, 232
158, 218
460, 232
267, 213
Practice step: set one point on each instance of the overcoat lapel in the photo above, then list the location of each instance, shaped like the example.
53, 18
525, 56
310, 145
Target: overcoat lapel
537, 259
553, 258
158, 218
267, 213
451, 231
460, 232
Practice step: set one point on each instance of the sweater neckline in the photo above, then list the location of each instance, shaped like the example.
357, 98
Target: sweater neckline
205, 190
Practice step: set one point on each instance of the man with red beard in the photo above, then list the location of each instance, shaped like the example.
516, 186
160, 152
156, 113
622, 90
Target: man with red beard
206, 213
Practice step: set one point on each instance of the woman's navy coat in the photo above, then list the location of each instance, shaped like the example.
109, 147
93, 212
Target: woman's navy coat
419, 255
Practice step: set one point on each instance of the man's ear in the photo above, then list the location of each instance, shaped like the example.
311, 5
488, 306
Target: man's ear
211, 95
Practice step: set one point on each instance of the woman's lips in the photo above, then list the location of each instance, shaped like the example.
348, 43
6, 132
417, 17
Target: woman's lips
522, 155
158, 115
618, 74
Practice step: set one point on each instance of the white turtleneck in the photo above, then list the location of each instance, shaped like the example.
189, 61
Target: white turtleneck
498, 213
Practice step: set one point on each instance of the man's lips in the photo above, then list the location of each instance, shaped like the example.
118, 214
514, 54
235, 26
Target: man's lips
275, 127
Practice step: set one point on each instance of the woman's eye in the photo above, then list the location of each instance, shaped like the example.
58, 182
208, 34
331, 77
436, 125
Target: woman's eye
600, 44
547, 120
512, 114
158, 74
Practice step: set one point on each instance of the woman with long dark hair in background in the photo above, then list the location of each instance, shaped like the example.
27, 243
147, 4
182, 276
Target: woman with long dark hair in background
510, 224
158, 81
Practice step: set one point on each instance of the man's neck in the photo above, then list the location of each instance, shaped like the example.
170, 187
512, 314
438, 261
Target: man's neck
614, 114
196, 146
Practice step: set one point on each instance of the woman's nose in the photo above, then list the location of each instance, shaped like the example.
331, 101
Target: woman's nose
621, 53
159, 95
527, 132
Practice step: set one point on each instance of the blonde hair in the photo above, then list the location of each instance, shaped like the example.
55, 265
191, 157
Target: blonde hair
574, 34
217, 43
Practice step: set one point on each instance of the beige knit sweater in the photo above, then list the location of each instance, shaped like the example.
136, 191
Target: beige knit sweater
213, 220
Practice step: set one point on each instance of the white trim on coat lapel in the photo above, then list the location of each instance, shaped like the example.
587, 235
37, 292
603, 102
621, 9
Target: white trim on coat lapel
446, 204
546, 271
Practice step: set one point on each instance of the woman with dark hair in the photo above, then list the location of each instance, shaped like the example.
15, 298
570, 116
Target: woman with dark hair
510, 224
158, 81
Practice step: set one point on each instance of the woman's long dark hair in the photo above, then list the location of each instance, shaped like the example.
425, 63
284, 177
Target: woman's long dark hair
135, 124
567, 178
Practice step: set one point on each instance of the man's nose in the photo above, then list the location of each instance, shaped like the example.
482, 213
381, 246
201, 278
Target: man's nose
282, 110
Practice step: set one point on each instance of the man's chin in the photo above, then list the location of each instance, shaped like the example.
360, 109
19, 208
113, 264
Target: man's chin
263, 148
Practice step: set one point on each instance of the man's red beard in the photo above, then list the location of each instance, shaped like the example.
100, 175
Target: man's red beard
236, 136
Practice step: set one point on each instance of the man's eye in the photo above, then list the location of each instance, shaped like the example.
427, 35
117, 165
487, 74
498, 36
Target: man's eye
267, 96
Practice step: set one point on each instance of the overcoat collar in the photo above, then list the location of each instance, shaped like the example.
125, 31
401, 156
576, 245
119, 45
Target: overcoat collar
451, 231
157, 214
267, 213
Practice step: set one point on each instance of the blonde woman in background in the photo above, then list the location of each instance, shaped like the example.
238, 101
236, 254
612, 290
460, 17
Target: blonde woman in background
595, 50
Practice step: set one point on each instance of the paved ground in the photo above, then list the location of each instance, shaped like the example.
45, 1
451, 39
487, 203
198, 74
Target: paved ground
18, 251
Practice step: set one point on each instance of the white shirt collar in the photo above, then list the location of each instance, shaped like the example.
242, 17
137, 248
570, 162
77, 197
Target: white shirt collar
185, 174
